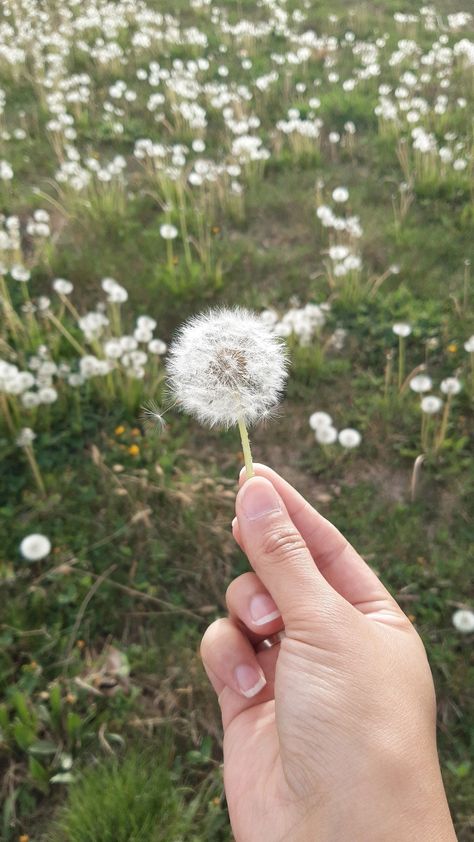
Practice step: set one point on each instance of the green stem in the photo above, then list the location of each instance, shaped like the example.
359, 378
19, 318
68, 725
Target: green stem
35, 470
66, 334
401, 360
244, 436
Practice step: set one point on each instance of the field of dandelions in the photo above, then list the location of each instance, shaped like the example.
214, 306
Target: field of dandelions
311, 161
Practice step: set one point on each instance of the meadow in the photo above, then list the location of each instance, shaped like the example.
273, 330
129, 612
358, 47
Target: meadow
311, 161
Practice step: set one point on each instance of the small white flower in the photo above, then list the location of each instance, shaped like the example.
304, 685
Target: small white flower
25, 437
226, 365
35, 547
431, 404
326, 435
158, 347
62, 287
340, 194
451, 386
320, 419
463, 620
402, 329
168, 232
146, 322
469, 345
421, 383
19, 273
350, 438
47, 395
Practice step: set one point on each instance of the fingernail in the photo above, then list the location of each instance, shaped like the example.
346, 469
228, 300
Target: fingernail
263, 609
259, 498
234, 523
249, 679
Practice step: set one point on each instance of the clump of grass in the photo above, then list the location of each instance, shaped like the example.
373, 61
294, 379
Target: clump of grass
126, 800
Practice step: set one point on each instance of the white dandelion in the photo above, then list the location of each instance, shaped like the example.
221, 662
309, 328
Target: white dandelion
226, 367
451, 386
402, 329
35, 547
463, 620
349, 438
421, 383
431, 404
320, 419
326, 434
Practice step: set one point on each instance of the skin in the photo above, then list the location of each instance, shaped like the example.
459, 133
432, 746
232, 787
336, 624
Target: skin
329, 736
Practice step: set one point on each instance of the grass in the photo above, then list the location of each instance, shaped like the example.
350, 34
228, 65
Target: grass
108, 728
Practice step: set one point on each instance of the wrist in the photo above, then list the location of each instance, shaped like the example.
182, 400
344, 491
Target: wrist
389, 807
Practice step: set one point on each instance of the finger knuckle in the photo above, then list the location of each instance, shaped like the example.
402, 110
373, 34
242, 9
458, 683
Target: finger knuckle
282, 543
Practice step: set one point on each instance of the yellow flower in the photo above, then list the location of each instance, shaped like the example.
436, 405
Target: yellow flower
119, 431
134, 450
215, 229
135, 432
24, 838
452, 347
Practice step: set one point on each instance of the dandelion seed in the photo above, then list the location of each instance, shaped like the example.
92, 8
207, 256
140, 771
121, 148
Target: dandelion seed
226, 367
152, 417
463, 620
35, 547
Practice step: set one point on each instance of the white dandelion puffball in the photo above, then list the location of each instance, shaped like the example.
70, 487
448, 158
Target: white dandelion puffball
469, 345
450, 386
463, 620
326, 434
320, 419
226, 365
349, 438
35, 547
340, 194
421, 383
62, 286
431, 404
402, 329
168, 232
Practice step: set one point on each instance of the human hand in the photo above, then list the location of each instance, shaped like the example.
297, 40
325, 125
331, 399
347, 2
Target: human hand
330, 735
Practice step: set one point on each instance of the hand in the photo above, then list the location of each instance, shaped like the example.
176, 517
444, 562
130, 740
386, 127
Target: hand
330, 735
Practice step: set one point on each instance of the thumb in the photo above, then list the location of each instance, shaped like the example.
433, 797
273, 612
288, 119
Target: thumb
283, 562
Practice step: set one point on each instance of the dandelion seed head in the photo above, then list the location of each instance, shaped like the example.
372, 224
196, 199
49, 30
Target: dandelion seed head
421, 383
35, 547
431, 404
227, 364
402, 329
451, 386
463, 620
320, 419
350, 438
326, 434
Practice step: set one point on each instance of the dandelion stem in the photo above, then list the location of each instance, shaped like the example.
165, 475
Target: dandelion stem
7, 413
66, 334
401, 360
444, 423
246, 448
35, 470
